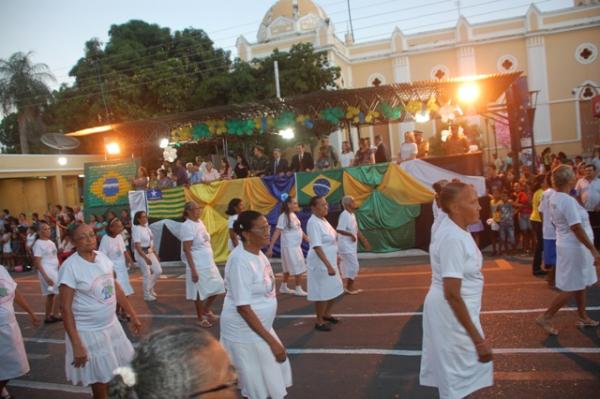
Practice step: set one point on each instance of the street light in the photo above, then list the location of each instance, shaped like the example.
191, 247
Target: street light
468, 93
62, 161
164, 142
287, 133
113, 148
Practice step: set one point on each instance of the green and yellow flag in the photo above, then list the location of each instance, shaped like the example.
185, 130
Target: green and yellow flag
325, 183
169, 203
106, 185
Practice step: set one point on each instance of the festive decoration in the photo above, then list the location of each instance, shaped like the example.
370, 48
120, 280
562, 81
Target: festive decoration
305, 120
216, 127
352, 114
332, 115
389, 112
200, 131
432, 105
180, 134
240, 127
449, 112
285, 120
170, 154
413, 107
371, 116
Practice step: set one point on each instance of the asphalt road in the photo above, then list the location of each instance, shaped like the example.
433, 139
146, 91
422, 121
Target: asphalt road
375, 351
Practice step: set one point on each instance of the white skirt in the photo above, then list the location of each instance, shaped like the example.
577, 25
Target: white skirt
449, 360
209, 283
123, 279
107, 349
292, 260
574, 268
47, 289
12, 352
349, 265
320, 285
260, 376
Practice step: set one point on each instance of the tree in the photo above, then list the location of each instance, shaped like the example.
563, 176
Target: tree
23, 88
9, 134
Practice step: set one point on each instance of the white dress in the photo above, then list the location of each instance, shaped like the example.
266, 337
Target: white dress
292, 258
574, 263
320, 285
348, 249
115, 249
12, 350
151, 273
230, 221
46, 250
210, 282
94, 311
250, 281
449, 359
548, 228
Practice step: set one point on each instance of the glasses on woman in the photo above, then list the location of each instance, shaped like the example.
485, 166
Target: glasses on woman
222, 387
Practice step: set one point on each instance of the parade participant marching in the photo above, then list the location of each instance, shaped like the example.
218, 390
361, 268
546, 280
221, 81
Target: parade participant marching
234, 208
203, 282
95, 341
12, 350
113, 246
576, 255
289, 229
249, 311
145, 254
348, 236
456, 357
45, 260
323, 278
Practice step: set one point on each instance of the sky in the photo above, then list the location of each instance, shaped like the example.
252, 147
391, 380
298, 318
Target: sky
56, 30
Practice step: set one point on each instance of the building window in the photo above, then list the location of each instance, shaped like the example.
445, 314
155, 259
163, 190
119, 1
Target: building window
586, 53
440, 72
507, 63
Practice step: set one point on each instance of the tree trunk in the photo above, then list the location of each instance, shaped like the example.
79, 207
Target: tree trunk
23, 122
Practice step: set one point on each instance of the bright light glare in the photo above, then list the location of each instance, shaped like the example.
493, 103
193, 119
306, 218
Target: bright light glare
62, 161
422, 117
287, 134
113, 148
468, 92
164, 142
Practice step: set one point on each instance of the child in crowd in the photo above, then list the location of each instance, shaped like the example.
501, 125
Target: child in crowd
495, 201
507, 226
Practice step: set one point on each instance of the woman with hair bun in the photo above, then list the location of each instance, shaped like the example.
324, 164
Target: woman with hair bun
248, 313
145, 255
234, 208
177, 362
203, 282
456, 356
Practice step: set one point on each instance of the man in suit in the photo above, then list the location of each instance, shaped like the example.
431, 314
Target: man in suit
278, 165
302, 161
381, 152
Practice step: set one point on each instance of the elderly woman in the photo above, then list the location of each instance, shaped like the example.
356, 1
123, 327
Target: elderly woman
576, 255
95, 341
45, 261
203, 282
408, 149
249, 311
145, 254
140, 182
323, 278
456, 357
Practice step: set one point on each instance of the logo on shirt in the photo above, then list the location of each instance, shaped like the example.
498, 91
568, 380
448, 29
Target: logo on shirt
103, 289
269, 279
6, 295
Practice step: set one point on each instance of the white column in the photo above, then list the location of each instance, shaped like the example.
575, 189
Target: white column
537, 79
402, 75
335, 139
354, 138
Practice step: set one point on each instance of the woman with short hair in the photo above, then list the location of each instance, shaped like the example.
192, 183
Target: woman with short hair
203, 282
45, 261
576, 255
234, 208
456, 356
145, 255
248, 313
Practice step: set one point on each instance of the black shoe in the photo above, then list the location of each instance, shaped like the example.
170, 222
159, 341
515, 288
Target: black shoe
540, 273
332, 320
323, 327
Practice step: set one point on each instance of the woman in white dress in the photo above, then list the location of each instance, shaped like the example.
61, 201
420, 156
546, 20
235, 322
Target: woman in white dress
203, 282
456, 357
145, 255
13, 362
576, 255
45, 260
113, 246
289, 229
408, 149
234, 208
249, 311
323, 277
95, 341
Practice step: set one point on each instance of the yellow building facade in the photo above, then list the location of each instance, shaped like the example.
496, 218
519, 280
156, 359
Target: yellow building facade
557, 51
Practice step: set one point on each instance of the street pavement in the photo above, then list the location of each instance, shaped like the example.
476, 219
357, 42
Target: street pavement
375, 351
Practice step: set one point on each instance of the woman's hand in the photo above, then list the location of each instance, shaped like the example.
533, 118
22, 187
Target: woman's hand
195, 276
148, 261
331, 270
278, 351
49, 281
269, 253
484, 351
80, 357
136, 325
34, 320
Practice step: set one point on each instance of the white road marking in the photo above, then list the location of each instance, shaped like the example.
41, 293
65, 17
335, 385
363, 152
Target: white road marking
49, 386
37, 356
404, 352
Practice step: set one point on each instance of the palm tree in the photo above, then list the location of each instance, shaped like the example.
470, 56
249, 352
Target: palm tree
23, 89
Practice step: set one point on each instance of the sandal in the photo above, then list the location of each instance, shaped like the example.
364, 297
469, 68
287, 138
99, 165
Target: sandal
331, 319
205, 323
582, 323
546, 325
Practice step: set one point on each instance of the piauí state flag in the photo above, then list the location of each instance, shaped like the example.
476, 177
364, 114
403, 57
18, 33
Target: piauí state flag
108, 183
325, 183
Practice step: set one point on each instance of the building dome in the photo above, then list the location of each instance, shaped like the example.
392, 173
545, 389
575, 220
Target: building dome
290, 16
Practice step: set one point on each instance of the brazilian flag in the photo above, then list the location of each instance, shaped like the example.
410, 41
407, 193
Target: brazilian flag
106, 185
324, 183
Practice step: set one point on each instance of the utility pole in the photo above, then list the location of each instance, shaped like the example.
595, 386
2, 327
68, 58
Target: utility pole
350, 20
277, 88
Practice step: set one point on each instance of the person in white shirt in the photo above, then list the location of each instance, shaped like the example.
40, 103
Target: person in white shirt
145, 255
438, 213
203, 282
588, 194
211, 174
548, 231
347, 156
408, 149
348, 236
248, 313
13, 359
95, 341
45, 261
323, 278
456, 357
289, 229
576, 255
113, 246
234, 208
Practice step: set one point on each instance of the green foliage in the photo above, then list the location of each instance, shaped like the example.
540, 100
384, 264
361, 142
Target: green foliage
9, 134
